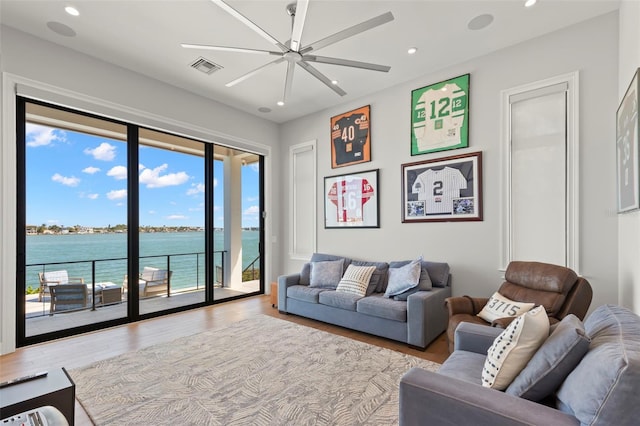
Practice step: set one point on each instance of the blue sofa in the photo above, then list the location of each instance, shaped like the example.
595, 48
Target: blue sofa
602, 389
417, 321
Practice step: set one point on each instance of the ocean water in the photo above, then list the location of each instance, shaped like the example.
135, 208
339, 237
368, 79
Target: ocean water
82, 255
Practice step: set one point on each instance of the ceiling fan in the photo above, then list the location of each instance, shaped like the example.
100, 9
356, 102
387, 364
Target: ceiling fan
293, 52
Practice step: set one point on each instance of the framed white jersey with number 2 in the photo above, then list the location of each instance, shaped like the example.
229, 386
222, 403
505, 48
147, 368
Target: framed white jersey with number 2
440, 116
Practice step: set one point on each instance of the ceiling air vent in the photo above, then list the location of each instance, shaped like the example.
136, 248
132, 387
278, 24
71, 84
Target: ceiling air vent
205, 66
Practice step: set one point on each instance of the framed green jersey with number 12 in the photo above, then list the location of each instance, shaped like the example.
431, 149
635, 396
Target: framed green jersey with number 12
440, 116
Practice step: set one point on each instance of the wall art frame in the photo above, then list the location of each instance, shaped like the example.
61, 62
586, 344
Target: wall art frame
440, 116
351, 137
444, 189
627, 148
352, 200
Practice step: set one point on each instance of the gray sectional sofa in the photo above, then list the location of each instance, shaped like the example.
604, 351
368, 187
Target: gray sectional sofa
415, 317
600, 387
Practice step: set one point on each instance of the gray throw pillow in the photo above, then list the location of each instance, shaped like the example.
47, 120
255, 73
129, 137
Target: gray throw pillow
403, 278
553, 361
425, 278
423, 285
326, 274
379, 276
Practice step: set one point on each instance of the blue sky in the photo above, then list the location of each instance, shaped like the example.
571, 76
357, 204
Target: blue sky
80, 179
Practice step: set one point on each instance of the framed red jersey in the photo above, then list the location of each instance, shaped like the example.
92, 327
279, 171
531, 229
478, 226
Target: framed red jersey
351, 137
351, 201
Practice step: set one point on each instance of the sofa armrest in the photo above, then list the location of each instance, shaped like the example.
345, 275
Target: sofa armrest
475, 338
428, 398
284, 282
465, 305
426, 316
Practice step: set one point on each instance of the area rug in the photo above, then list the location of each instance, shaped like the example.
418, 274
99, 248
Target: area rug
259, 371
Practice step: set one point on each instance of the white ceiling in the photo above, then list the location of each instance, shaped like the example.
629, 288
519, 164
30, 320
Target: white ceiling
145, 36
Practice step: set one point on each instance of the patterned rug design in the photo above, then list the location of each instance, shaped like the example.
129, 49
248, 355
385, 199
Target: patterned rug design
259, 371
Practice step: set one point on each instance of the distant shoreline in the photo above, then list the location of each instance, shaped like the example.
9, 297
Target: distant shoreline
142, 230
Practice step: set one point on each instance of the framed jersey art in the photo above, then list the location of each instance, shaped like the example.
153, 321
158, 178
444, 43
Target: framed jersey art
440, 116
351, 201
351, 137
443, 189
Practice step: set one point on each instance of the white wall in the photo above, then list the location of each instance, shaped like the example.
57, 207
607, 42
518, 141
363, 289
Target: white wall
472, 248
629, 224
30, 59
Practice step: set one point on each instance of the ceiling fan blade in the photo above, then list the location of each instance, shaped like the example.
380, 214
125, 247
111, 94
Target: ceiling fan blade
291, 66
229, 49
317, 74
346, 63
298, 24
254, 72
349, 32
249, 23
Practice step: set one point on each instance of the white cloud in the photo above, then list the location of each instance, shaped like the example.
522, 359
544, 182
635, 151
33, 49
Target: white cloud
53, 221
176, 217
38, 135
93, 196
104, 152
118, 172
119, 204
253, 210
216, 208
195, 209
153, 179
67, 181
90, 170
117, 194
152, 212
196, 188
255, 167
252, 199
141, 166
215, 182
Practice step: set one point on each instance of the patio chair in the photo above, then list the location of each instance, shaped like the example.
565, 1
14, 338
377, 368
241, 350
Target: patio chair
53, 278
68, 297
151, 282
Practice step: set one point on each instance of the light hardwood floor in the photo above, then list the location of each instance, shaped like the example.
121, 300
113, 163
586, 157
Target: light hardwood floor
78, 351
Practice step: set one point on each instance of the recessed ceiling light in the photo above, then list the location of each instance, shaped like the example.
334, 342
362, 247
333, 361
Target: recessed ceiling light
280, 103
412, 50
334, 82
60, 28
529, 3
71, 11
480, 22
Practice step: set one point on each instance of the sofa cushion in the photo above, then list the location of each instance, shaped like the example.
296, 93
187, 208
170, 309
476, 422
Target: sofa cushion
339, 300
356, 280
304, 293
305, 274
553, 362
438, 272
514, 347
499, 306
403, 278
379, 306
603, 387
326, 274
379, 277
464, 365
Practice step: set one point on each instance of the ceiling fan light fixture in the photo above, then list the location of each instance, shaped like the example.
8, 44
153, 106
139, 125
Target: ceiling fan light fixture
72, 11
530, 3
280, 103
412, 50
334, 82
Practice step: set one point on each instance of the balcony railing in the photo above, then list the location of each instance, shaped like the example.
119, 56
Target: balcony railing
187, 271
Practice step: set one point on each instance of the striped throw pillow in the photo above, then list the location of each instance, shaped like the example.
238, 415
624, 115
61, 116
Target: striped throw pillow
356, 279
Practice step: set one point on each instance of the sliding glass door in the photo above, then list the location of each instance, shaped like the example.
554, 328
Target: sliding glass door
118, 223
